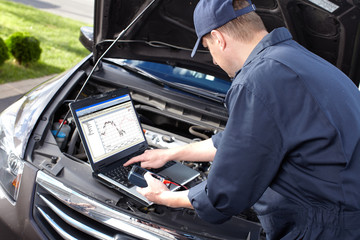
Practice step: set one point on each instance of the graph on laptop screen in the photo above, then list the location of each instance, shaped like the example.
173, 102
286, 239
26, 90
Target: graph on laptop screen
110, 127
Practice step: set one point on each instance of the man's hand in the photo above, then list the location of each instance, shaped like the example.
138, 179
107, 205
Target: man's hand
157, 192
203, 151
154, 189
155, 158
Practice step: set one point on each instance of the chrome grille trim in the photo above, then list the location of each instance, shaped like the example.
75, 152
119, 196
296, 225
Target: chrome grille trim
74, 223
121, 222
55, 226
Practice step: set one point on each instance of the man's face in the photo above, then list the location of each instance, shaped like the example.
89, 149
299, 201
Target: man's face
208, 43
218, 56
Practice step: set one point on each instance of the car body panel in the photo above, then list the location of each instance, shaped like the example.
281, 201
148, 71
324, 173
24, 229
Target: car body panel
16, 221
58, 196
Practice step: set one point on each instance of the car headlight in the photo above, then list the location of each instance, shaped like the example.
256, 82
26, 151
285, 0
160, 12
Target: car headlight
11, 165
11, 168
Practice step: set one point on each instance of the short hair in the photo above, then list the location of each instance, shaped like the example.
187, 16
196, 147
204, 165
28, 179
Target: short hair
244, 26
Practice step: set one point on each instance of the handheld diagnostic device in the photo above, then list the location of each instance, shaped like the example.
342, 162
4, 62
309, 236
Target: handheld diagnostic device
136, 176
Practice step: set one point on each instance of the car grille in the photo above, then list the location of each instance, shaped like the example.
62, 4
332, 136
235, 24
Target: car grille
62, 213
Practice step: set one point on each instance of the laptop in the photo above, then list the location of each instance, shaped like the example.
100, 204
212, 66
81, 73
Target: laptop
111, 133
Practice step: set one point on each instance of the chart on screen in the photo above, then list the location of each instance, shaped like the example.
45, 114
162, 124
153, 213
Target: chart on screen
112, 130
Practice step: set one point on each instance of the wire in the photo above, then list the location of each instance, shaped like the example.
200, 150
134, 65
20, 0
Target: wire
166, 182
157, 44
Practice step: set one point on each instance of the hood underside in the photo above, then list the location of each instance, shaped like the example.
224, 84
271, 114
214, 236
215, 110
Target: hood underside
165, 32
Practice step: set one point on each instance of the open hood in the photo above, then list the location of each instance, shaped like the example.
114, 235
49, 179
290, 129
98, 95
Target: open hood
165, 32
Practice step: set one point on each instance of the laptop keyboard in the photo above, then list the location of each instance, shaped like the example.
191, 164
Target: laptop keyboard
120, 175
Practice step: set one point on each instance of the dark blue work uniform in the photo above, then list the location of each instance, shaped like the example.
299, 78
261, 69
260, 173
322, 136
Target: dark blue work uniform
291, 145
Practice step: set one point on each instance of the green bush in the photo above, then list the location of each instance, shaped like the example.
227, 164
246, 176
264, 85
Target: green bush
25, 48
4, 52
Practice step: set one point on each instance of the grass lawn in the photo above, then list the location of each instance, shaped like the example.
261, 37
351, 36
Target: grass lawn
59, 40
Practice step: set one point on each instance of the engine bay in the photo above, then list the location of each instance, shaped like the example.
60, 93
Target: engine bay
168, 119
163, 128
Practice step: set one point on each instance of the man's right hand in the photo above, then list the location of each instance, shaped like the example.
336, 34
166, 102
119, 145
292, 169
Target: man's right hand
154, 158
203, 151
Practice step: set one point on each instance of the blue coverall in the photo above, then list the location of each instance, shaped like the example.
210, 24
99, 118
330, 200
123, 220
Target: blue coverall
291, 145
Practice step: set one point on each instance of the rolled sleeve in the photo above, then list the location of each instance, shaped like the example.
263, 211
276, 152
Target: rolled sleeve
216, 139
203, 206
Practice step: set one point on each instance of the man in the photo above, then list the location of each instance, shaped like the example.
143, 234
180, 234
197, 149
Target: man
291, 145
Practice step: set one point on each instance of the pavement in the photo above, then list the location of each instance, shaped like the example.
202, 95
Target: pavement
81, 10
10, 92
20, 87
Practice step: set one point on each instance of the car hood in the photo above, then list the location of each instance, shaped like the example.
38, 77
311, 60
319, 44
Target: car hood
165, 31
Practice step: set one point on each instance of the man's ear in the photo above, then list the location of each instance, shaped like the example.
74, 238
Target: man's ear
219, 39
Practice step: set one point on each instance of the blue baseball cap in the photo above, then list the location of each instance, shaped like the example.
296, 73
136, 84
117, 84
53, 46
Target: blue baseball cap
212, 14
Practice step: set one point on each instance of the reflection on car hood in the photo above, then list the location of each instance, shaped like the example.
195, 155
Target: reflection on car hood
165, 33
22, 115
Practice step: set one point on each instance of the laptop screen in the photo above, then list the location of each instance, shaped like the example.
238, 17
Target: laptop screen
109, 127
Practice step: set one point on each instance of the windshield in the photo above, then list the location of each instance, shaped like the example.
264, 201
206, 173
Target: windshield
182, 75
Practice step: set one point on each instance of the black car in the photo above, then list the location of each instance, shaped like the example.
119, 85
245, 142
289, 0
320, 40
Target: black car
47, 188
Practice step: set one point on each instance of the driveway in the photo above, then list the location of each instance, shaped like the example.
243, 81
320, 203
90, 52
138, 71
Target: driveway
81, 10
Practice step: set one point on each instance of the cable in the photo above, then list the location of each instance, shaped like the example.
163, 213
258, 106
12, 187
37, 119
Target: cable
166, 182
157, 44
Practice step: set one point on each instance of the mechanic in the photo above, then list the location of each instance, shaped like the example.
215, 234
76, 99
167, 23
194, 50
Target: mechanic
291, 146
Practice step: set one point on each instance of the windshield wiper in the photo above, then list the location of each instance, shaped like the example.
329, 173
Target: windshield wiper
200, 92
